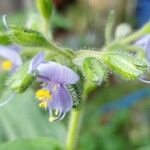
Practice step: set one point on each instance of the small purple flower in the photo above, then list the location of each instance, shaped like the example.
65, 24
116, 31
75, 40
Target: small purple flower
54, 94
10, 58
144, 43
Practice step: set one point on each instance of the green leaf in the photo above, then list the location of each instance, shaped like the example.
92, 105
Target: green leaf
94, 71
45, 8
31, 38
31, 144
4, 39
27, 37
126, 65
21, 80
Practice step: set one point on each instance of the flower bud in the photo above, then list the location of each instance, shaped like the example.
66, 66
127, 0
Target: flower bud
45, 8
122, 30
94, 71
124, 64
20, 80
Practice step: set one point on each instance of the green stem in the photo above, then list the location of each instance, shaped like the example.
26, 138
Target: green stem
131, 38
109, 27
60, 51
52, 46
75, 124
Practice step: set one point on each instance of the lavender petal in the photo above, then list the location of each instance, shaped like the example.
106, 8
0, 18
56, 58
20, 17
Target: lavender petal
10, 54
38, 59
61, 101
57, 73
144, 43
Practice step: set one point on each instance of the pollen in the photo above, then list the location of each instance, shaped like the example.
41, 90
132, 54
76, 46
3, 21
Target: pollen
7, 65
43, 94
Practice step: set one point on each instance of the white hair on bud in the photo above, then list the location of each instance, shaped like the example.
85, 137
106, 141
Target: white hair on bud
4, 21
7, 101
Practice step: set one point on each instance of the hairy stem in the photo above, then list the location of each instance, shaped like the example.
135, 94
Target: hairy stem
75, 124
131, 38
60, 51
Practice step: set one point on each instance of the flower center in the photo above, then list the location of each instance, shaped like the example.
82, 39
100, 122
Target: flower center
7, 65
43, 95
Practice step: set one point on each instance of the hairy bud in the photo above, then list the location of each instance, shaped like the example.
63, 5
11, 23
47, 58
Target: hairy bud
94, 71
20, 80
124, 64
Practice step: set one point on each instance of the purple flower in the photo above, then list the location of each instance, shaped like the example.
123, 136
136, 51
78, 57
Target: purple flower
144, 43
10, 58
54, 94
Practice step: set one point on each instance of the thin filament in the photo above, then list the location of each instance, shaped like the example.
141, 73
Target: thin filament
144, 80
4, 21
7, 101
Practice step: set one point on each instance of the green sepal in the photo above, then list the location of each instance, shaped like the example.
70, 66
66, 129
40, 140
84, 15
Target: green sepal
94, 71
4, 39
27, 37
126, 65
21, 79
76, 93
45, 8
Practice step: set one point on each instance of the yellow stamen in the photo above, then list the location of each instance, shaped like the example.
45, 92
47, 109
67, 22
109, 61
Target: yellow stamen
43, 94
54, 115
43, 105
7, 65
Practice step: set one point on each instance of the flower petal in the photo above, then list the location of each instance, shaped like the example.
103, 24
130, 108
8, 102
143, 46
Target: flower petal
8, 53
144, 80
57, 73
38, 59
15, 48
61, 101
144, 43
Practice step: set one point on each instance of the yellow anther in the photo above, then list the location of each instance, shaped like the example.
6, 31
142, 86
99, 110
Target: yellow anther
7, 65
43, 105
54, 116
43, 94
